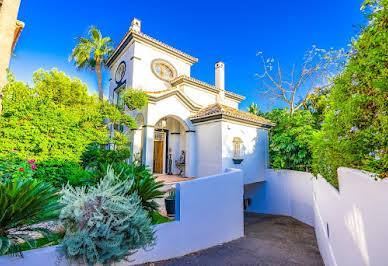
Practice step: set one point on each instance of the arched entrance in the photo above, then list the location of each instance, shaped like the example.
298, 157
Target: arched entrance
168, 144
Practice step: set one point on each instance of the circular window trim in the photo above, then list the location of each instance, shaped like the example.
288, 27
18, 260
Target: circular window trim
168, 64
122, 63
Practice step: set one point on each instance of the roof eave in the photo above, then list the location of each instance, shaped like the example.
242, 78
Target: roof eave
218, 116
181, 80
150, 41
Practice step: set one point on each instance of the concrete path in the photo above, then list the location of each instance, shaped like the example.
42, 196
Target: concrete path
269, 240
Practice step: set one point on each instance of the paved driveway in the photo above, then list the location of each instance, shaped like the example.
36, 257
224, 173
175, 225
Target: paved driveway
269, 240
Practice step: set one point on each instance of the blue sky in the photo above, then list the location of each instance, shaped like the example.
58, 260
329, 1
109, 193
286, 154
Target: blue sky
232, 32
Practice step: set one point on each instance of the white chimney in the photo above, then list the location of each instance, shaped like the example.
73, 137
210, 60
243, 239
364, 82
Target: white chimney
136, 24
220, 75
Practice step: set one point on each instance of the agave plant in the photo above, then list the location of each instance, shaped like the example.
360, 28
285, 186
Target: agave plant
24, 203
143, 182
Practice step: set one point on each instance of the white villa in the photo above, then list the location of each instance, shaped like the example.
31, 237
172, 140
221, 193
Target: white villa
185, 114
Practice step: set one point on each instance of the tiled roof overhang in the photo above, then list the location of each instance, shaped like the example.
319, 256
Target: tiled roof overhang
143, 38
219, 111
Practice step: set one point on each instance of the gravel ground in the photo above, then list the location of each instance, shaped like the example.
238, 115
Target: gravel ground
269, 240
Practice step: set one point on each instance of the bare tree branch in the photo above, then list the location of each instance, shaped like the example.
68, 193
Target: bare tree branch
315, 69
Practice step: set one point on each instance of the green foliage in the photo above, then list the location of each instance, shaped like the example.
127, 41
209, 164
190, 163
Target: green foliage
171, 194
59, 173
135, 99
355, 128
55, 119
142, 182
289, 139
317, 103
51, 239
253, 109
105, 223
88, 52
12, 166
95, 156
157, 218
91, 53
24, 202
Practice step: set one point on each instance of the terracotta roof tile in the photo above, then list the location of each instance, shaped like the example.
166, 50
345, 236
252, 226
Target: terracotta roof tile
148, 39
220, 109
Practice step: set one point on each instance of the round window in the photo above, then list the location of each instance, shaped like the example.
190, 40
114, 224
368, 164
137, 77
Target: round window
163, 70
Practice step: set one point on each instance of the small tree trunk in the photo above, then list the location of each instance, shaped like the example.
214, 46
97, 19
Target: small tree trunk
99, 78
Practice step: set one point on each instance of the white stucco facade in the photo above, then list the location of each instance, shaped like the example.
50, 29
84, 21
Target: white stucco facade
185, 114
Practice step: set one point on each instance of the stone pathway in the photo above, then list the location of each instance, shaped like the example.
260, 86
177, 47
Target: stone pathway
269, 240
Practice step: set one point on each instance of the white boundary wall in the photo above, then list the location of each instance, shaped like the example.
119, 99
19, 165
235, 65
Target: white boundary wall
351, 224
210, 213
284, 192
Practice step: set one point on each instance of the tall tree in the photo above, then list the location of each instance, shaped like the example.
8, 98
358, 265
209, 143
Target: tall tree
294, 88
91, 53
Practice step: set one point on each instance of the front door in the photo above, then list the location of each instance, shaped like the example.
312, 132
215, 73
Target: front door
158, 156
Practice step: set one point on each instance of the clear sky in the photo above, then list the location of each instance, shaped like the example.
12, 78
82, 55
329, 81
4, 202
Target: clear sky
228, 31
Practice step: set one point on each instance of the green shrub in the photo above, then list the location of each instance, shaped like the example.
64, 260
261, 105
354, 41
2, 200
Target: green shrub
142, 182
355, 128
104, 224
24, 202
59, 173
135, 99
96, 155
55, 119
289, 139
12, 166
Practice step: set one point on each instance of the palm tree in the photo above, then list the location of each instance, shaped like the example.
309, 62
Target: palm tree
91, 53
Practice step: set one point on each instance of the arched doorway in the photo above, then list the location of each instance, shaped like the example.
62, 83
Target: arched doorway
168, 144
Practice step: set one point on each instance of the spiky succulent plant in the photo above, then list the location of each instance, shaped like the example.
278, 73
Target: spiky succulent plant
104, 224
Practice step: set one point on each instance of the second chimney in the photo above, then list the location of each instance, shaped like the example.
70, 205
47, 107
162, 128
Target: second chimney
220, 75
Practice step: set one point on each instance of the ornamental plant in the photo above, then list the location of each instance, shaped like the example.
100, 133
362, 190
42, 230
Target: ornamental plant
143, 183
24, 202
12, 166
355, 128
104, 224
135, 99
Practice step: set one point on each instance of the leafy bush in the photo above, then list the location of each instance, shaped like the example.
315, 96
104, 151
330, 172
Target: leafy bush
59, 173
135, 99
96, 155
355, 128
142, 182
289, 139
104, 224
24, 202
55, 119
12, 166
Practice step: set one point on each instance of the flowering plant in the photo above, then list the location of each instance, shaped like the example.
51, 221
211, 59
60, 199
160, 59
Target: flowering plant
14, 167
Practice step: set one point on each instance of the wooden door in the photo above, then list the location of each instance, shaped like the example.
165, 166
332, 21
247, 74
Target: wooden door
158, 156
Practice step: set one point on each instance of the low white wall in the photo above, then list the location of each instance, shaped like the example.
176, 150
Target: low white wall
284, 192
350, 224
209, 213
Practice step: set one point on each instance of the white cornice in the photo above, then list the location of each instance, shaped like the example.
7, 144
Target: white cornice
183, 79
